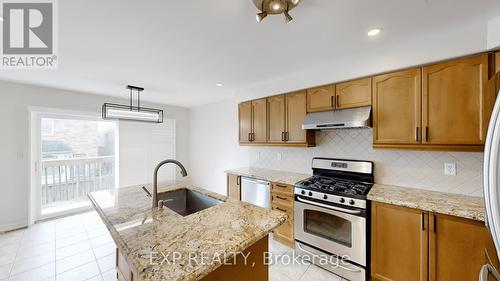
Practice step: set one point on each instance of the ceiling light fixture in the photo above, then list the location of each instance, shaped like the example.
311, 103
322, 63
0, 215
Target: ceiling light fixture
374, 32
219, 85
131, 112
275, 7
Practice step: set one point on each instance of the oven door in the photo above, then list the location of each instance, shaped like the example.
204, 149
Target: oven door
342, 233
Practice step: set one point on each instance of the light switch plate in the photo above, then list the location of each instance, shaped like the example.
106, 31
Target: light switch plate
450, 169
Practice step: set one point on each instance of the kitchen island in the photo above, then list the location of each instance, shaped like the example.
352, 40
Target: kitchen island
225, 240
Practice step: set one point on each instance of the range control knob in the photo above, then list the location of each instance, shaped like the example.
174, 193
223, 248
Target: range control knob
342, 200
303, 192
351, 202
310, 193
325, 197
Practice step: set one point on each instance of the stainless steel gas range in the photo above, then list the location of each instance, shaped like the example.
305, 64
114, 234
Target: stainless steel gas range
332, 216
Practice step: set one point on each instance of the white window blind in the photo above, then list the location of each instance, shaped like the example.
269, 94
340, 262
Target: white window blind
142, 147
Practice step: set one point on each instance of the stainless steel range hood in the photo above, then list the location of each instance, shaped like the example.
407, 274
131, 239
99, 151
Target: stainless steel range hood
337, 119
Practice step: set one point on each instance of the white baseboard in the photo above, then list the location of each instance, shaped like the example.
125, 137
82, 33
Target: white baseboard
13, 226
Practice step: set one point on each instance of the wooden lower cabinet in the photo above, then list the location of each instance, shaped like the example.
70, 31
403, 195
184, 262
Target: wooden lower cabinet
399, 238
234, 186
457, 248
282, 199
410, 244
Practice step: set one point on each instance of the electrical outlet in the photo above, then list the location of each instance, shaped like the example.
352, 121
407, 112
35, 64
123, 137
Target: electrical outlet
279, 156
450, 169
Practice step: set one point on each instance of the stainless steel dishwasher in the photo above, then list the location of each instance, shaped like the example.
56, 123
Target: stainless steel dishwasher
257, 192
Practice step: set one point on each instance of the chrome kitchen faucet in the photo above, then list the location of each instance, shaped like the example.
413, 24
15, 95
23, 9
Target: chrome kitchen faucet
155, 179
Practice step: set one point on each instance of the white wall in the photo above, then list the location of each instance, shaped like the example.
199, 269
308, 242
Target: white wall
378, 58
15, 142
494, 33
214, 147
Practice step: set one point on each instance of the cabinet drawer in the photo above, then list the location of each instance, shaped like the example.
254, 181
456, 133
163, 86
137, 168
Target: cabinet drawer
282, 188
283, 208
282, 199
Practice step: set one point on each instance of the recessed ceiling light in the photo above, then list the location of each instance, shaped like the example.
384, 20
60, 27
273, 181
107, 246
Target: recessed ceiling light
374, 32
219, 85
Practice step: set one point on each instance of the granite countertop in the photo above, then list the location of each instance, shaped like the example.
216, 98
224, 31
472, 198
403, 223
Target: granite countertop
269, 175
221, 230
439, 202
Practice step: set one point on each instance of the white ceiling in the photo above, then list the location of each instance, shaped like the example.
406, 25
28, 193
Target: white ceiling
180, 50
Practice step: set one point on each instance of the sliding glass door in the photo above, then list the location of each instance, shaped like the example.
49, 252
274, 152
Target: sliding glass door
77, 155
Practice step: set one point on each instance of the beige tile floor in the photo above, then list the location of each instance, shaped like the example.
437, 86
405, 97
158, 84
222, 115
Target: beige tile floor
79, 248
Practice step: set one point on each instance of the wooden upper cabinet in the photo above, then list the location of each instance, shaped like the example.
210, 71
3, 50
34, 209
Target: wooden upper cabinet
354, 93
457, 248
276, 119
497, 62
259, 117
397, 107
399, 244
245, 121
321, 98
295, 113
454, 107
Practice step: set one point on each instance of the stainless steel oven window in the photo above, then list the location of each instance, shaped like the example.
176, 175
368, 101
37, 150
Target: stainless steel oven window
328, 226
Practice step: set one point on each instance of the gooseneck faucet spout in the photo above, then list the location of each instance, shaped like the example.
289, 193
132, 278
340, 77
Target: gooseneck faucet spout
155, 179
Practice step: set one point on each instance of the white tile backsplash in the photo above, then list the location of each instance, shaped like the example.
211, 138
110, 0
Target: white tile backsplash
419, 169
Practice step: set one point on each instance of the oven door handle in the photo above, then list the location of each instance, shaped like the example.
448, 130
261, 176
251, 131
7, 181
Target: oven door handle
354, 212
338, 264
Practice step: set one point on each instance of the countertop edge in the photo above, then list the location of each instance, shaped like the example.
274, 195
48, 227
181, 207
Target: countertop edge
122, 246
465, 206
283, 177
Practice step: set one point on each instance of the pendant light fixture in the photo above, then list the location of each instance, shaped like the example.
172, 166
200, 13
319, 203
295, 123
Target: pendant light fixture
275, 7
130, 112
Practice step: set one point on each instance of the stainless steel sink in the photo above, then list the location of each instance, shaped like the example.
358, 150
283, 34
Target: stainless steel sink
186, 202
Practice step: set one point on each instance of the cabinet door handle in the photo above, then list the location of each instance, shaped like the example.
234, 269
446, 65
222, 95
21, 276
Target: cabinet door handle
426, 133
416, 134
287, 136
280, 185
332, 102
337, 101
281, 198
249, 136
238, 180
283, 210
